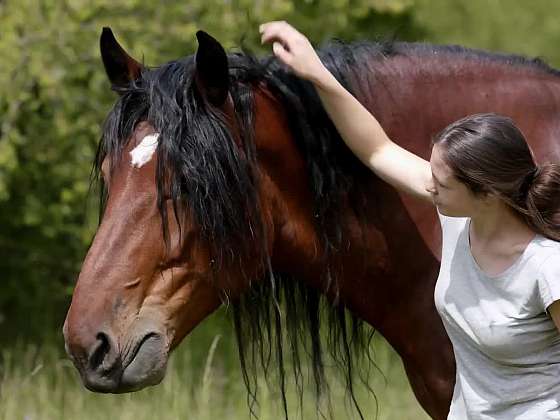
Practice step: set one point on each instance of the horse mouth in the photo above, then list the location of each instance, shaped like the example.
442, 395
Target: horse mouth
145, 365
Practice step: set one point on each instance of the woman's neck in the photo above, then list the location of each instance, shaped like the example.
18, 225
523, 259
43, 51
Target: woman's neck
495, 222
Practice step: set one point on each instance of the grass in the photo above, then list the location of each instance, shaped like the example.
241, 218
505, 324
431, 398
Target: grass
39, 383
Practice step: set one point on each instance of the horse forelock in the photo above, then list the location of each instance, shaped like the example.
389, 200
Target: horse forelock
198, 161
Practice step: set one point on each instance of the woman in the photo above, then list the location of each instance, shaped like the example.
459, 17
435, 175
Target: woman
498, 290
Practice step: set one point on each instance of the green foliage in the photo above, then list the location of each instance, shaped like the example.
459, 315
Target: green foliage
512, 26
53, 99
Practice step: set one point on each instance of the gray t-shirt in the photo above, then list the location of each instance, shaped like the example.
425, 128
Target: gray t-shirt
506, 346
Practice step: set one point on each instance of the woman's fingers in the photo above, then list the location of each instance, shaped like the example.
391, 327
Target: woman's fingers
283, 37
279, 31
280, 52
293, 49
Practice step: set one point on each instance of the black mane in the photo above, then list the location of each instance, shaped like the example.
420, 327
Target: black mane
219, 180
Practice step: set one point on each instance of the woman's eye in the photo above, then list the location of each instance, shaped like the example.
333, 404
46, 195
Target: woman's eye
439, 184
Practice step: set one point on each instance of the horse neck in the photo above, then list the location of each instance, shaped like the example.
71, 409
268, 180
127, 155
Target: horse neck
390, 260
295, 246
416, 96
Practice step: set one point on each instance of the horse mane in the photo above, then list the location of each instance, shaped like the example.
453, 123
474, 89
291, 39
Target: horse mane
199, 162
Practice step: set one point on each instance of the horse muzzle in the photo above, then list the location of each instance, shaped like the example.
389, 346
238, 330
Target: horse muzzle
104, 366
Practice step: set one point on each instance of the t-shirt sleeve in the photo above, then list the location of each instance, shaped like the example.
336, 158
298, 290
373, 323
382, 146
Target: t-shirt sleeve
549, 280
451, 228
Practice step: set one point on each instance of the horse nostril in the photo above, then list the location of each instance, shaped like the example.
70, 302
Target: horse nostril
103, 357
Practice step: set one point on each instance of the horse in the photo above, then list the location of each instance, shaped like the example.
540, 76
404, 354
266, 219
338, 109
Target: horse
224, 182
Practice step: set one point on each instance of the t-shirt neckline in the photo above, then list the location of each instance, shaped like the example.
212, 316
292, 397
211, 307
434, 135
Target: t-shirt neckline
503, 274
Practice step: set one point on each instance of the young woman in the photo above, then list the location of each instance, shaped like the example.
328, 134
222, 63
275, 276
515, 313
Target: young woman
498, 290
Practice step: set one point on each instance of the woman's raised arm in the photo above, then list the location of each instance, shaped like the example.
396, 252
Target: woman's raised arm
357, 126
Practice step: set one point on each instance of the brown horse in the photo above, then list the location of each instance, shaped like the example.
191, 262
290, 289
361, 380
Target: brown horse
226, 182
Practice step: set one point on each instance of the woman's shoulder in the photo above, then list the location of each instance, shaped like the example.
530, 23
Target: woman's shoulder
547, 244
547, 251
547, 255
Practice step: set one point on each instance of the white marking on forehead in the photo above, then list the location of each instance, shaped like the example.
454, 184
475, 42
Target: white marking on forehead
143, 153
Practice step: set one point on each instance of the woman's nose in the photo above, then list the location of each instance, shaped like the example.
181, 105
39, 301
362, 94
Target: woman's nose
431, 189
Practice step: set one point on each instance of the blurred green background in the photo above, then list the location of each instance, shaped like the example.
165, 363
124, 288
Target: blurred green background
53, 98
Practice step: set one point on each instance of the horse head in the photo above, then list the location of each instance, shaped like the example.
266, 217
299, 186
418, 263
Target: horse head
190, 213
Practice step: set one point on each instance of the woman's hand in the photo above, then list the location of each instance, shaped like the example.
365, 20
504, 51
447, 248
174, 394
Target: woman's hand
357, 126
294, 50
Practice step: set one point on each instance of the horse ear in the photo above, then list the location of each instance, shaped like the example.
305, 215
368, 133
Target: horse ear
212, 74
120, 67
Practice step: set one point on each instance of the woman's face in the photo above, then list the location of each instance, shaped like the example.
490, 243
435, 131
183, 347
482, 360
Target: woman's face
451, 196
